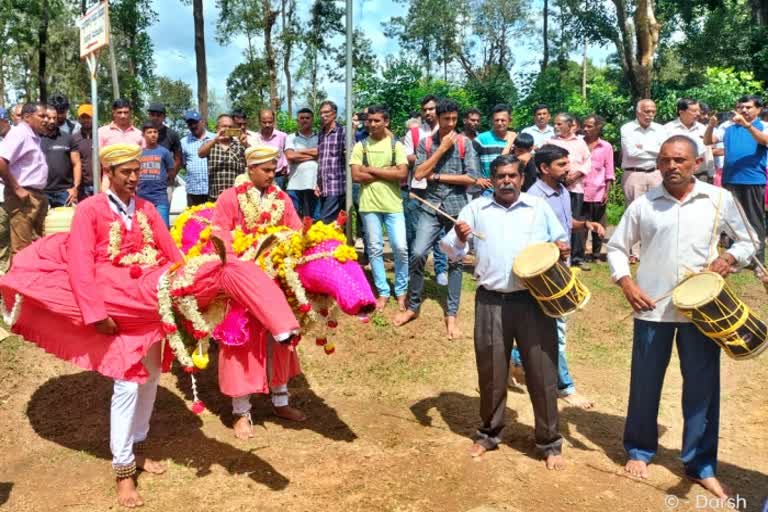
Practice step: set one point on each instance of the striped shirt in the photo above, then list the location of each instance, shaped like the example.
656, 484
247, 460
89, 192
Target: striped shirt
331, 160
197, 168
489, 146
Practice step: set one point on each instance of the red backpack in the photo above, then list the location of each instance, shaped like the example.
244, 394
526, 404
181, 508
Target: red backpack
459, 145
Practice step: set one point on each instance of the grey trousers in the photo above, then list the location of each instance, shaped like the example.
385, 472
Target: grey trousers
500, 321
752, 200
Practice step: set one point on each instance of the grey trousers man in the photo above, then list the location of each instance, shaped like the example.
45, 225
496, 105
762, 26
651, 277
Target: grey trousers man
502, 319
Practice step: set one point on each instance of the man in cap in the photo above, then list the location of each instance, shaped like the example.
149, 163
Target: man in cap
166, 136
84, 141
243, 369
24, 172
196, 166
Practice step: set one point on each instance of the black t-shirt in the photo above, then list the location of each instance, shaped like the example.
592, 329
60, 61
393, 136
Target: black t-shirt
530, 173
58, 149
85, 148
169, 139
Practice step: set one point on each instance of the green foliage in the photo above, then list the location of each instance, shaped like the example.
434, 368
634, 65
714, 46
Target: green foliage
401, 86
286, 123
720, 89
176, 95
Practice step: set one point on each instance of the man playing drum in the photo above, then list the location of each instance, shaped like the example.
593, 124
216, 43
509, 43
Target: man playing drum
505, 312
678, 224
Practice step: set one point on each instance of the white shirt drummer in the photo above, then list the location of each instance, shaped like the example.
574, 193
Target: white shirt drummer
676, 239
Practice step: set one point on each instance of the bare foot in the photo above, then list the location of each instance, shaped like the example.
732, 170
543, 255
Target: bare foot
381, 302
243, 428
401, 303
577, 400
516, 376
714, 486
290, 413
555, 462
150, 466
637, 468
127, 495
454, 332
404, 317
477, 450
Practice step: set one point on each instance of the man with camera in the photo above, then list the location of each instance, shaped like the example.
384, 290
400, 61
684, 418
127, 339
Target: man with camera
225, 154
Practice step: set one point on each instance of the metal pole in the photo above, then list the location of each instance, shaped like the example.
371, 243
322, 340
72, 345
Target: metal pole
350, 129
95, 164
113, 64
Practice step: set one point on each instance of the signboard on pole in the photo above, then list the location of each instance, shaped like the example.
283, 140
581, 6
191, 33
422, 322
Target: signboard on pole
94, 29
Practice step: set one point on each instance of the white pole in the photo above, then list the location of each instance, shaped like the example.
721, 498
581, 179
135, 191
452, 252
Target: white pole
350, 129
95, 165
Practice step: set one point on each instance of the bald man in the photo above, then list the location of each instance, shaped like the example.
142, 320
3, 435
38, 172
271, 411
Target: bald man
641, 141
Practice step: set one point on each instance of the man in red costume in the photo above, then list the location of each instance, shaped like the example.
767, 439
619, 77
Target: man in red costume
91, 297
260, 365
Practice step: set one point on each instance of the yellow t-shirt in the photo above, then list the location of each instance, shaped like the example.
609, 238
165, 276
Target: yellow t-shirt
383, 195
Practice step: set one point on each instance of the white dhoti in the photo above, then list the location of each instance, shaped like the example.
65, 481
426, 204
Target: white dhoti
132, 405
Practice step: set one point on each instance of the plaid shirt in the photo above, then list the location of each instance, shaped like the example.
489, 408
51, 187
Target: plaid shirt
225, 163
197, 168
451, 198
331, 158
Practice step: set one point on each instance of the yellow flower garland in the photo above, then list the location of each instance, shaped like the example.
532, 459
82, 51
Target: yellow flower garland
148, 254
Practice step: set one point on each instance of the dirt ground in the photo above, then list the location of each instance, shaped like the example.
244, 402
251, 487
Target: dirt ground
389, 418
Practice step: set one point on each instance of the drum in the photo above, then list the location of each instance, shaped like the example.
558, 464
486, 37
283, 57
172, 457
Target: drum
58, 220
707, 300
556, 288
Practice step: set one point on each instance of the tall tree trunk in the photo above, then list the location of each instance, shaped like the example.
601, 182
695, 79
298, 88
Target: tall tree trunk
584, 71
42, 51
759, 12
313, 81
269, 50
290, 6
202, 69
545, 33
647, 34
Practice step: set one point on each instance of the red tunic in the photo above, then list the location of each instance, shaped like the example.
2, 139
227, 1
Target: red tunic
243, 370
68, 282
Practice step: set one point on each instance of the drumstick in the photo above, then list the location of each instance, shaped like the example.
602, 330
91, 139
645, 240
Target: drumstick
441, 212
657, 299
758, 263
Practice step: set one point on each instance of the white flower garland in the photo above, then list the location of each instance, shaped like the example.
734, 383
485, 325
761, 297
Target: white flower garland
10, 317
260, 209
148, 254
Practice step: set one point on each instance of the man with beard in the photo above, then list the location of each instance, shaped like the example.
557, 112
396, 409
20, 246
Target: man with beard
64, 171
505, 311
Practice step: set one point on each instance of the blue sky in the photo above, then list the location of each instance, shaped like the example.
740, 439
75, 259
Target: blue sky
173, 38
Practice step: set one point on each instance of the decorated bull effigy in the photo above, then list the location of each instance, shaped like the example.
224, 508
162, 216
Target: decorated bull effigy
315, 268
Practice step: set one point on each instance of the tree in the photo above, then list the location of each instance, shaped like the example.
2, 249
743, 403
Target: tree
176, 95
289, 37
324, 22
200, 60
631, 27
248, 86
133, 47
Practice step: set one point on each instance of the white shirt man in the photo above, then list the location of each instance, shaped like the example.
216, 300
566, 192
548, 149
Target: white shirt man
541, 131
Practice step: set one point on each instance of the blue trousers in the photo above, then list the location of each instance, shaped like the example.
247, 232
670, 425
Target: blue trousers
411, 210
430, 229
164, 210
565, 385
374, 235
700, 367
